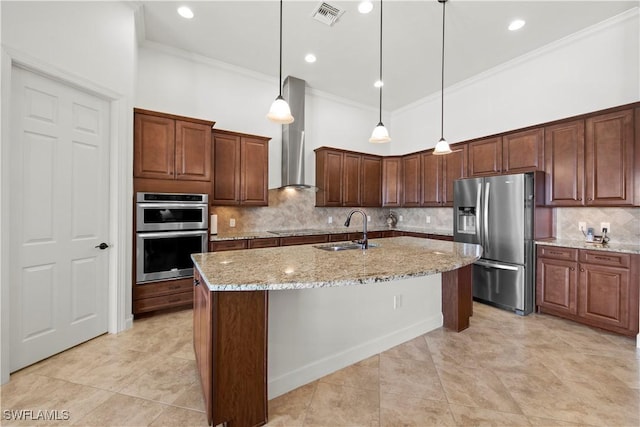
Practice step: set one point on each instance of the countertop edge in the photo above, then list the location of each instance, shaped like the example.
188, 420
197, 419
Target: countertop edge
579, 244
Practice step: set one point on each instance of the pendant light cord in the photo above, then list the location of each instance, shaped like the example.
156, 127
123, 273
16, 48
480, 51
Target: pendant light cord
380, 117
280, 88
444, 2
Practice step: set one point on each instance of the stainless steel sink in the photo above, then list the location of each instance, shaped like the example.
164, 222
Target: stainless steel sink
343, 246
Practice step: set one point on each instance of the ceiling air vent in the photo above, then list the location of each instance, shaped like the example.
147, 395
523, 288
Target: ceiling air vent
327, 14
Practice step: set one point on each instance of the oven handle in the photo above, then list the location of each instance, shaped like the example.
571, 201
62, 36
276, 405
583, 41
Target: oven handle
173, 233
172, 205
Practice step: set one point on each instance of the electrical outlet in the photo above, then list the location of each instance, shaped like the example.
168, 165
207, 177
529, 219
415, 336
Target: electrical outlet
606, 225
582, 226
368, 218
330, 220
428, 219
400, 218
397, 301
232, 222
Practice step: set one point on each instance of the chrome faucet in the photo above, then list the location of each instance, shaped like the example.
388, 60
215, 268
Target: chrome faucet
364, 243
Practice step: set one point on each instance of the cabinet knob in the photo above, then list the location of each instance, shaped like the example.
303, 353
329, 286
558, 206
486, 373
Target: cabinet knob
582, 269
589, 199
572, 269
579, 199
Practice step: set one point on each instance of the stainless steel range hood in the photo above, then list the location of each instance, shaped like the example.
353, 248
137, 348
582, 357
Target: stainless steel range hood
293, 90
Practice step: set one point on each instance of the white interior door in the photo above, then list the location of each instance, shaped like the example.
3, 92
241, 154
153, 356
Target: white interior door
58, 215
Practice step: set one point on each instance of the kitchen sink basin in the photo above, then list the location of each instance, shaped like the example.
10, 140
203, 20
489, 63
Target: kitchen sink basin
343, 246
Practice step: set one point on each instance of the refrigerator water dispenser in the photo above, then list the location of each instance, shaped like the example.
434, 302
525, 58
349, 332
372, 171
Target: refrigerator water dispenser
466, 220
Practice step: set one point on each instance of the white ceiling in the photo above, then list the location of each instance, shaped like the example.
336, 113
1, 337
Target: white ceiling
245, 34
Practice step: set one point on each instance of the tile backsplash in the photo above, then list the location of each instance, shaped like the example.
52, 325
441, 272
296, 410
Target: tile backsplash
625, 223
291, 209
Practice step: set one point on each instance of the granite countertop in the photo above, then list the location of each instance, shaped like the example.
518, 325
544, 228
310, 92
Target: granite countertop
304, 266
581, 244
314, 231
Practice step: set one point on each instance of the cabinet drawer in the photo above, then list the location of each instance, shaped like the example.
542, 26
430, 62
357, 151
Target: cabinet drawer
166, 301
303, 240
440, 237
269, 242
154, 289
340, 237
605, 258
556, 252
227, 245
415, 234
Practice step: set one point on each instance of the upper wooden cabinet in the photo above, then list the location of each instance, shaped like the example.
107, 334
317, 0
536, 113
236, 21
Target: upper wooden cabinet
371, 182
240, 169
609, 159
523, 151
411, 180
564, 163
171, 147
510, 153
485, 156
392, 181
439, 173
346, 178
591, 162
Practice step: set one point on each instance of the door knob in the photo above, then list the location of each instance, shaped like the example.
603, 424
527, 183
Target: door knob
102, 246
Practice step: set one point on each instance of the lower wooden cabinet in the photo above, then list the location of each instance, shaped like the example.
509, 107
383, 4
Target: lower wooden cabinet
592, 287
230, 344
162, 295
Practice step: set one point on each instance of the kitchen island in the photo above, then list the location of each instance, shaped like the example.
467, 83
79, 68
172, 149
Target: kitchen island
234, 291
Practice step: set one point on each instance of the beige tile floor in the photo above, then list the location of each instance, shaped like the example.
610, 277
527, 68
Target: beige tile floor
504, 370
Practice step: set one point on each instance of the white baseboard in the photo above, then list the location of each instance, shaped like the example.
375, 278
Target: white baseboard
318, 369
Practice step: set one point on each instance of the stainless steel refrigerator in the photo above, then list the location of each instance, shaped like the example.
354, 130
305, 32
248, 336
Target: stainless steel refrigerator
498, 213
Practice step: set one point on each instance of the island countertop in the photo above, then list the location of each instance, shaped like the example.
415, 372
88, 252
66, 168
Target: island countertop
305, 266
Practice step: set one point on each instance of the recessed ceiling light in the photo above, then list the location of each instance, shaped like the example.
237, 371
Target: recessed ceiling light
379, 83
310, 58
365, 6
516, 24
185, 12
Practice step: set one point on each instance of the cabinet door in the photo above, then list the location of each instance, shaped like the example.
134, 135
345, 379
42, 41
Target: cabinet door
254, 172
226, 170
556, 285
371, 182
523, 151
329, 178
154, 147
203, 340
351, 179
391, 181
193, 151
485, 157
604, 295
411, 180
432, 179
564, 163
609, 158
454, 166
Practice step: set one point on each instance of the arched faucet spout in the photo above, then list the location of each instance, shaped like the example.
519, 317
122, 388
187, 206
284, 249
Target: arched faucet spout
364, 242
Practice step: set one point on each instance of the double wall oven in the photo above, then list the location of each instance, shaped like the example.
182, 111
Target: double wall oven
169, 228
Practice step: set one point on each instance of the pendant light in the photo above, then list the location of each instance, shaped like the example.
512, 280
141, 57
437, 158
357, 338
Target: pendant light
380, 134
280, 111
442, 147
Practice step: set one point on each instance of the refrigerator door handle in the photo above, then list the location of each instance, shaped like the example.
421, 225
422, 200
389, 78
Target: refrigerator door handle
485, 219
497, 265
479, 213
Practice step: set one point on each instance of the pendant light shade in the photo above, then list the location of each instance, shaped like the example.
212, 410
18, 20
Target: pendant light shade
442, 147
380, 134
280, 111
